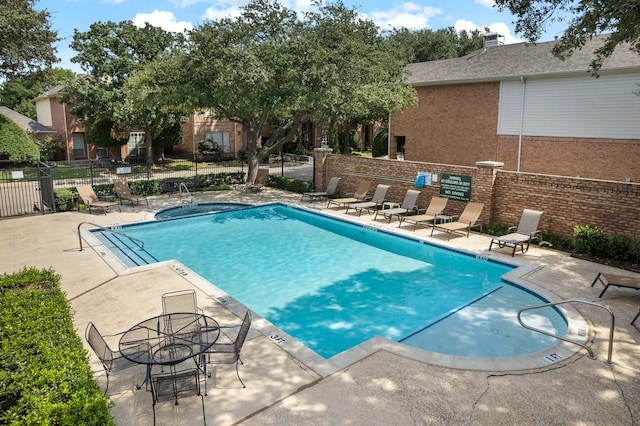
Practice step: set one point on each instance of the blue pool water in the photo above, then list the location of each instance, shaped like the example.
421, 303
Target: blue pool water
332, 284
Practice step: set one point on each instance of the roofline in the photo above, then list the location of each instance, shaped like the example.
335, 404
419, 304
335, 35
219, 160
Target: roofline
498, 78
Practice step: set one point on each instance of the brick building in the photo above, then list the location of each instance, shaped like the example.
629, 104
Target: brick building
520, 105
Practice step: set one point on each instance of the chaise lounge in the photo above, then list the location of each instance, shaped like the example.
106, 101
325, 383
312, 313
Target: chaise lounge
526, 231
359, 196
90, 199
331, 189
436, 207
618, 281
376, 201
408, 205
467, 220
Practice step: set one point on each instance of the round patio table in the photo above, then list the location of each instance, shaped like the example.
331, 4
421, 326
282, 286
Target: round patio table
169, 339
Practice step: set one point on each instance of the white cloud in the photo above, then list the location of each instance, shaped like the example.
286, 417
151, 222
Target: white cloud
165, 20
497, 27
214, 13
409, 15
486, 3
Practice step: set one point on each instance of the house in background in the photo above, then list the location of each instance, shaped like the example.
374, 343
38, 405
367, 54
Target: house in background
54, 114
519, 105
33, 128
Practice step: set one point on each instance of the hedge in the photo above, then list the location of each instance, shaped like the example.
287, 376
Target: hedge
45, 378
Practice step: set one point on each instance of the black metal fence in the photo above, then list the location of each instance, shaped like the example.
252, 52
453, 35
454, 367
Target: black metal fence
20, 188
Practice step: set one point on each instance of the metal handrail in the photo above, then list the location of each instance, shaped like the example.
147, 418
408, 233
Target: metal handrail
102, 228
184, 185
611, 327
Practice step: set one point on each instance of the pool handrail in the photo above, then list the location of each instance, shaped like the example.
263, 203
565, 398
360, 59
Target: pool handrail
102, 228
591, 355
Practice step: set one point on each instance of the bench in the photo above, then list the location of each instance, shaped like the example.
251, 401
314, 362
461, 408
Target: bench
616, 280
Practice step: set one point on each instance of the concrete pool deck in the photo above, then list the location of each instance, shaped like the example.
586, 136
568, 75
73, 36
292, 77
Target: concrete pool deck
382, 388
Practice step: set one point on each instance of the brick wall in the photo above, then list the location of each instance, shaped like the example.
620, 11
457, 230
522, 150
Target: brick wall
437, 129
457, 124
566, 201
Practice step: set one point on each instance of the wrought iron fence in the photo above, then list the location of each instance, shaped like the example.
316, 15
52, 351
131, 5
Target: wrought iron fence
19, 186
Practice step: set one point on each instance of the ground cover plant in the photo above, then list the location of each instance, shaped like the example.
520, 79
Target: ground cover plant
45, 378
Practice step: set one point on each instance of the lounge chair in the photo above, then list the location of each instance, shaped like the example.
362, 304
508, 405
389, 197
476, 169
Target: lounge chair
331, 189
467, 220
90, 199
436, 207
618, 281
408, 205
526, 231
376, 201
261, 181
359, 196
122, 190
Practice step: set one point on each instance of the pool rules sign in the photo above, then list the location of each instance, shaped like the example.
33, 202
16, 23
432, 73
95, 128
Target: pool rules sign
455, 187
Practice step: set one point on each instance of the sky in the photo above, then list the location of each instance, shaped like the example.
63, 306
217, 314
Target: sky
180, 15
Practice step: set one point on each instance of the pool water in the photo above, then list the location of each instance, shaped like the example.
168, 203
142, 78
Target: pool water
332, 285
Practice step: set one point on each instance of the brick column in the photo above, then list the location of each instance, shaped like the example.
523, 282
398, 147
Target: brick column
484, 187
320, 178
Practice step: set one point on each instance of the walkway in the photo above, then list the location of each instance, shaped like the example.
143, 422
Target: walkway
380, 389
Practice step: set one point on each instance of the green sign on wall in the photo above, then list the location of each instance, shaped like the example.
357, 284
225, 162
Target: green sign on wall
455, 187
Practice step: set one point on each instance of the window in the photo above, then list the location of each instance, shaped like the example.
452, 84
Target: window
78, 145
136, 144
220, 138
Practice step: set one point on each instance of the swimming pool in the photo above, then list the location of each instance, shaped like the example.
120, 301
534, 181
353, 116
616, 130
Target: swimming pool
341, 284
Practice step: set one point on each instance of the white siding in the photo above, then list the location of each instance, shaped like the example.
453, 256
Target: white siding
606, 107
43, 112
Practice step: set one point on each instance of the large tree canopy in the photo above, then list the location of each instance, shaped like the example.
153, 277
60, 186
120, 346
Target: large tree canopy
116, 57
586, 18
26, 38
269, 68
18, 93
429, 45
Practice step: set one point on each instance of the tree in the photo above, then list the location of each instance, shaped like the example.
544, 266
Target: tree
15, 143
121, 88
428, 45
619, 18
26, 38
18, 93
269, 69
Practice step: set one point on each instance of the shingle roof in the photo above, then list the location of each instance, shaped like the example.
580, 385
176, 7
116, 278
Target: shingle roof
51, 92
24, 122
515, 60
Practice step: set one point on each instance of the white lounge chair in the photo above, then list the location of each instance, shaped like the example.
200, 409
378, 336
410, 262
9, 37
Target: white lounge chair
526, 231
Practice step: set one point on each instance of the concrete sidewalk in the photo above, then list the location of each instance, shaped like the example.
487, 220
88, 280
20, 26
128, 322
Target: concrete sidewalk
383, 388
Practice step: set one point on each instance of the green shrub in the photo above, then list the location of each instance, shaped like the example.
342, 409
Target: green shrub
494, 229
556, 241
65, 199
618, 247
15, 144
44, 375
380, 145
588, 239
290, 184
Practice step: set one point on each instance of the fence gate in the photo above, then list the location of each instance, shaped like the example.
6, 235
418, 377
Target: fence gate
19, 189
45, 179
